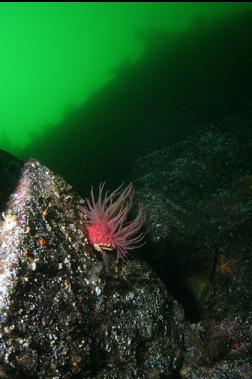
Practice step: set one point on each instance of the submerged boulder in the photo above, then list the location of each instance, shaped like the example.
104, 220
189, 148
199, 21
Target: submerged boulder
56, 320
197, 195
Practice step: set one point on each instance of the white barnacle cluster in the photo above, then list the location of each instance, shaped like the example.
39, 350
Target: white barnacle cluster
8, 256
9, 222
11, 238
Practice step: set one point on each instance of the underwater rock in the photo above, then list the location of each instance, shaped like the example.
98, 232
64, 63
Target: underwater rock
197, 195
221, 349
10, 168
56, 322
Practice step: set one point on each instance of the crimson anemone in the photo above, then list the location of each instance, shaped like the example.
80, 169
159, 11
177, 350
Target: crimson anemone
107, 225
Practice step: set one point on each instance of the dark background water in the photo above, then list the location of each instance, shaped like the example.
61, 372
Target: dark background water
182, 81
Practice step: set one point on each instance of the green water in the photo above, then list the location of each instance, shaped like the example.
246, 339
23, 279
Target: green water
56, 56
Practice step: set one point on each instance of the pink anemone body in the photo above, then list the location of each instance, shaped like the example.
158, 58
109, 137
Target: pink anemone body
99, 235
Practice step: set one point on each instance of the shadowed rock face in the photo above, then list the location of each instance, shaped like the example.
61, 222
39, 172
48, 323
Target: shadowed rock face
58, 323
10, 168
198, 199
197, 195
